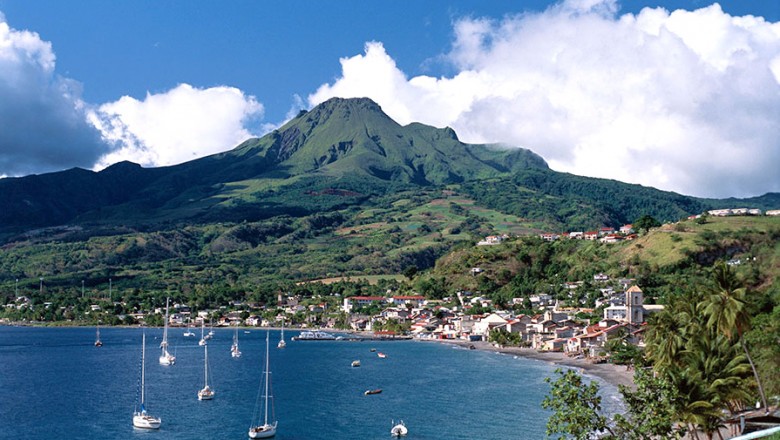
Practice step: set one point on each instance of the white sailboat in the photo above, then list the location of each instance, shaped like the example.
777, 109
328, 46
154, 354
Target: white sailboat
141, 418
165, 357
399, 429
281, 343
234, 351
98, 342
206, 393
266, 430
189, 333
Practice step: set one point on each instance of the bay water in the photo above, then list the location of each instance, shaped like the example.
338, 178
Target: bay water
55, 383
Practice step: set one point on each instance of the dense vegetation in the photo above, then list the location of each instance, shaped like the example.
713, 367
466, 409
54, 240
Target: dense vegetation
703, 364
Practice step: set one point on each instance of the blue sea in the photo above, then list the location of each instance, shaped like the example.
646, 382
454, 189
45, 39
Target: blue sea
56, 384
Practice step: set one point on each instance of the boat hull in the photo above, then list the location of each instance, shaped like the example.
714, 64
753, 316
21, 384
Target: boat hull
398, 431
205, 394
264, 431
145, 421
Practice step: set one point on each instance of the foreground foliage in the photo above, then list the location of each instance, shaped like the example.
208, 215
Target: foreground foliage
700, 370
577, 411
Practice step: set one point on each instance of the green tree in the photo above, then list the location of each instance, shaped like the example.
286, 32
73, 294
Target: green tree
651, 409
726, 310
645, 223
410, 272
576, 407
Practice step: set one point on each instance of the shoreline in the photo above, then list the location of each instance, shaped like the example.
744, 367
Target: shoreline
610, 373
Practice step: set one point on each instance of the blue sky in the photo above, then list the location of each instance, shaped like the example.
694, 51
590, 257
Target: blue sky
679, 95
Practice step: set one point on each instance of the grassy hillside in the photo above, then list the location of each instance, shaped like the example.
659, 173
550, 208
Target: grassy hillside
660, 260
407, 229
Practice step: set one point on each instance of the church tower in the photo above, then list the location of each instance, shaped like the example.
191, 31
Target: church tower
635, 314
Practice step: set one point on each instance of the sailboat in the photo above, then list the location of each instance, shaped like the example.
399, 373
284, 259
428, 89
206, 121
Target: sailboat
98, 342
234, 351
142, 419
266, 430
206, 393
189, 333
165, 357
399, 430
282, 344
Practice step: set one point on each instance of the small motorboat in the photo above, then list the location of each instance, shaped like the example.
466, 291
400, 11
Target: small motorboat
376, 391
355, 363
381, 355
373, 350
399, 429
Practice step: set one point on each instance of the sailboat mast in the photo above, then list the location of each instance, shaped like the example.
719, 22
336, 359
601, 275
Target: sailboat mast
267, 373
206, 379
164, 343
143, 369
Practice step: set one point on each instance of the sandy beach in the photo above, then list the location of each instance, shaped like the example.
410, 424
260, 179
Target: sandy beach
610, 373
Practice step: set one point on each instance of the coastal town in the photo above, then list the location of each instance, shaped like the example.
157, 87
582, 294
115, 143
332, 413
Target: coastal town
469, 317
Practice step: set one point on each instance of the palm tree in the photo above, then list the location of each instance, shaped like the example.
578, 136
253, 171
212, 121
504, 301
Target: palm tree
726, 309
664, 339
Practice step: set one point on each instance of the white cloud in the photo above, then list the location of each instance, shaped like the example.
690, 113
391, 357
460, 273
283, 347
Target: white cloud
687, 101
42, 117
176, 126
45, 126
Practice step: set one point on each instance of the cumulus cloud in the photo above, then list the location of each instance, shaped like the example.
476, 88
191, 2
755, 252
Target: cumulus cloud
45, 125
687, 101
176, 126
42, 117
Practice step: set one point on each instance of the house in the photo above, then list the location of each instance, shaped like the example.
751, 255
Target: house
615, 313
549, 236
555, 316
627, 229
518, 324
540, 299
611, 238
563, 332
592, 340
484, 325
556, 344
719, 212
546, 327
601, 277
590, 235
361, 301
606, 231
578, 235
413, 300
492, 240
399, 314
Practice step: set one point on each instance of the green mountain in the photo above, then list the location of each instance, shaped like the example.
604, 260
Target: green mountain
338, 154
